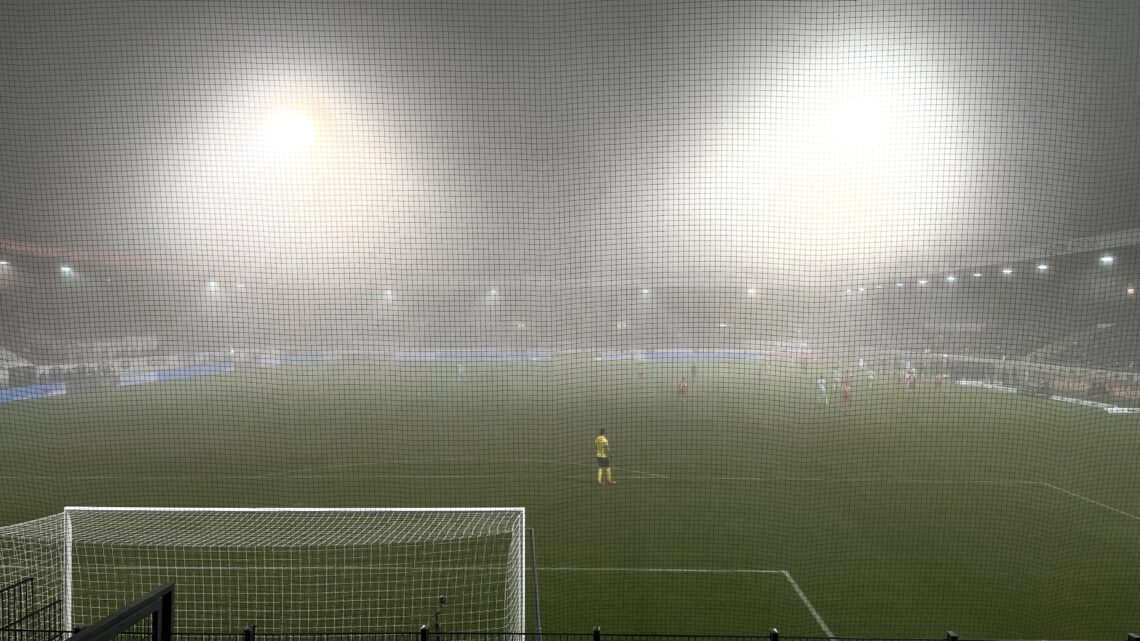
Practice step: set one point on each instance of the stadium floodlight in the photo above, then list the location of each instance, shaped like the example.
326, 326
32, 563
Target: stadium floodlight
1007, 271
899, 285
212, 286
65, 270
1107, 260
235, 565
848, 291
289, 131
1131, 291
3, 263
644, 292
493, 292
951, 278
878, 286
857, 124
620, 325
1042, 267
977, 274
923, 282
862, 289
751, 291
722, 325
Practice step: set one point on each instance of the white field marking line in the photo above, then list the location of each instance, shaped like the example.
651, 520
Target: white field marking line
381, 566
810, 607
878, 479
620, 469
787, 575
660, 570
1087, 499
887, 481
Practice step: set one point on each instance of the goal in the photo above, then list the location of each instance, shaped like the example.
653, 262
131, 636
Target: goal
284, 569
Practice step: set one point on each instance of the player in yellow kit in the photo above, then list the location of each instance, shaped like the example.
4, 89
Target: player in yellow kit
602, 451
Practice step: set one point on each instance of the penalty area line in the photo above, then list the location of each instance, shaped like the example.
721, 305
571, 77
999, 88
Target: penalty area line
810, 607
784, 573
1088, 500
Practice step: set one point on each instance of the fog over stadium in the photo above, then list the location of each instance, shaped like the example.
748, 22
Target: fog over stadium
848, 287
776, 143
566, 155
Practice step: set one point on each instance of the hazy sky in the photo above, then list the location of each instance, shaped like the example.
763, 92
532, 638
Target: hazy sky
610, 140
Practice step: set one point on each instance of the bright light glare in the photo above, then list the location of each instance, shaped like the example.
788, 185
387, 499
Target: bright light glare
1107, 260
977, 274
212, 286
898, 285
923, 282
751, 292
3, 263
1131, 291
289, 131
65, 270
951, 279
645, 292
1042, 267
857, 124
1007, 271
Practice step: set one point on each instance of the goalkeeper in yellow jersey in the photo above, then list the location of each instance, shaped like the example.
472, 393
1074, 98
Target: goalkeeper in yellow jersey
602, 451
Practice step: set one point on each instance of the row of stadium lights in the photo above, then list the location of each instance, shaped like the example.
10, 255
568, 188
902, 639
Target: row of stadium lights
1105, 261
389, 295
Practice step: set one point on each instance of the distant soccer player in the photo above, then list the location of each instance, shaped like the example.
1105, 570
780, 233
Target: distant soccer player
821, 390
683, 388
912, 380
846, 389
602, 452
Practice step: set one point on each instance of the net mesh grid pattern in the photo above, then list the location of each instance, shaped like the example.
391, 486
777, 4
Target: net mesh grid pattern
849, 285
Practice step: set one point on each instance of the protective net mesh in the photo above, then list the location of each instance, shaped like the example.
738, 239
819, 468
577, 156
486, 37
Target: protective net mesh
849, 285
345, 570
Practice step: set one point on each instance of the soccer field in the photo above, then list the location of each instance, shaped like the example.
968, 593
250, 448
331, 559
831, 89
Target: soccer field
745, 506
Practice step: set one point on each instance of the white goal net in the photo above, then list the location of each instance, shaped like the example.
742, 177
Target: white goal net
284, 569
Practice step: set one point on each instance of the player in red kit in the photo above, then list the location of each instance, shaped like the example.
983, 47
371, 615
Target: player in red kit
846, 389
912, 380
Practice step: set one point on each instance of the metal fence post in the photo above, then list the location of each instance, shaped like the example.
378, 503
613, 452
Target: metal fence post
1132, 636
597, 633
250, 633
951, 636
424, 632
774, 635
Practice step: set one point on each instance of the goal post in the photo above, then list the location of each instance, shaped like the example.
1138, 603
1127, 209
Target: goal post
295, 569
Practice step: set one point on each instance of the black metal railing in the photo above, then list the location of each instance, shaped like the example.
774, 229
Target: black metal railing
24, 618
151, 616
147, 632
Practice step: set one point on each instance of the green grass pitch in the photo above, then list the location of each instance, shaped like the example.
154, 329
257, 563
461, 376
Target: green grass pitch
901, 514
